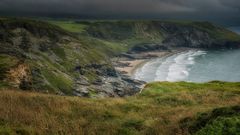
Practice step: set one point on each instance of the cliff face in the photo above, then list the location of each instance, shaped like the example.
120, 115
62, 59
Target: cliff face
165, 33
38, 56
200, 35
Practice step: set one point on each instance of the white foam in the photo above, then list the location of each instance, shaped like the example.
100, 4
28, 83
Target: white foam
180, 67
173, 68
147, 71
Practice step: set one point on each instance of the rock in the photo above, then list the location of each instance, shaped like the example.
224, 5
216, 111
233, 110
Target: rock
127, 55
82, 81
98, 82
81, 91
133, 81
148, 47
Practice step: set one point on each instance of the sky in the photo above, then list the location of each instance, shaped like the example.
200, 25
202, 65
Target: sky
221, 11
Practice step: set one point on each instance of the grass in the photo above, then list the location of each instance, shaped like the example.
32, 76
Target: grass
158, 110
59, 52
43, 28
70, 26
59, 81
115, 37
146, 30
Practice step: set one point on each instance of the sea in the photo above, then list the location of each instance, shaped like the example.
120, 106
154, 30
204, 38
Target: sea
193, 66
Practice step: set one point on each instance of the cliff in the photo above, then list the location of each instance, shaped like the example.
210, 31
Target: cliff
163, 33
42, 57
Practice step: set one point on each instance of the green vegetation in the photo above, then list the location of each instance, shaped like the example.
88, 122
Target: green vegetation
70, 26
115, 37
59, 81
60, 52
51, 52
217, 31
221, 121
162, 108
36, 27
222, 126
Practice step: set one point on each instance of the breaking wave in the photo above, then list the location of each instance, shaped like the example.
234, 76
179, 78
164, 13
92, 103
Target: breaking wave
173, 68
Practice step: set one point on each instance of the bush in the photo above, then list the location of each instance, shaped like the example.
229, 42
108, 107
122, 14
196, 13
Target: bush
222, 126
211, 121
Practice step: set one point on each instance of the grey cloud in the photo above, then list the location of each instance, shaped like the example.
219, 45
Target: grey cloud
231, 3
144, 8
94, 6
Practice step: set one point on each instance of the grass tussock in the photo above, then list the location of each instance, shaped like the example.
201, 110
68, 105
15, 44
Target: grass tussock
159, 109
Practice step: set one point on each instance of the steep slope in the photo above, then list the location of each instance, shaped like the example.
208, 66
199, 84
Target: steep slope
161, 109
138, 35
40, 56
187, 34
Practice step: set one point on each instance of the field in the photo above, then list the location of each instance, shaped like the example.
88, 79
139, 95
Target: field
162, 108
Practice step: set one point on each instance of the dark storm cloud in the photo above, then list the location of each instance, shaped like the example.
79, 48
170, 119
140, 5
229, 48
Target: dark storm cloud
93, 6
196, 9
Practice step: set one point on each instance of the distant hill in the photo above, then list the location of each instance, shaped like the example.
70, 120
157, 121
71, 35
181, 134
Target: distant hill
127, 34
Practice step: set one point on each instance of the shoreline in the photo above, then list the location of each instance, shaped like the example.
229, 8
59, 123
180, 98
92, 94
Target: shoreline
129, 66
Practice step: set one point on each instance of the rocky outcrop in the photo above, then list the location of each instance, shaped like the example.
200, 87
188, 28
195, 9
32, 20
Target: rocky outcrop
148, 47
108, 83
108, 87
195, 38
19, 76
49, 59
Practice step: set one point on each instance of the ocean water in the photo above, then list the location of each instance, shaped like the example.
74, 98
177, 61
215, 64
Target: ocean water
193, 66
235, 29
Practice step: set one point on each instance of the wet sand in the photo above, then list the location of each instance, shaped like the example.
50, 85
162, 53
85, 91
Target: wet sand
129, 66
134, 64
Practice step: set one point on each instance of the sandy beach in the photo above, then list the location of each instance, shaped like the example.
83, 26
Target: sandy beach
133, 65
129, 66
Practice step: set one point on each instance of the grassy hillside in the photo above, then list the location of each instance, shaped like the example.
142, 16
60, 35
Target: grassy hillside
124, 35
162, 108
36, 55
69, 26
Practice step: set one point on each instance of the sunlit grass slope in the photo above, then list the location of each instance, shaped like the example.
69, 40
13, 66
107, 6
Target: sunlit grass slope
162, 108
70, 26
